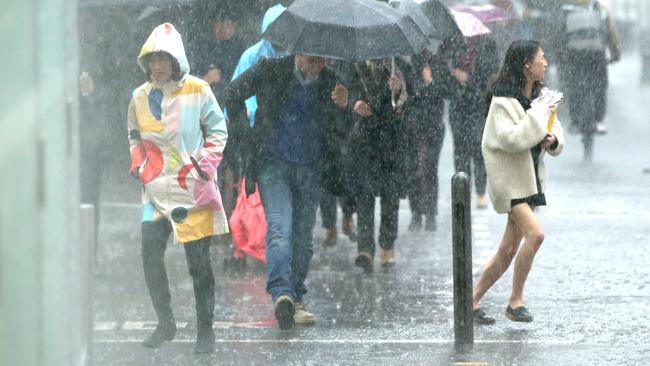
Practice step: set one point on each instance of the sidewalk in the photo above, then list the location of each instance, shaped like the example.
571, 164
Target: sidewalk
588, 290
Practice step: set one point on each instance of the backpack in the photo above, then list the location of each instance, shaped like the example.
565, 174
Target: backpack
585, 27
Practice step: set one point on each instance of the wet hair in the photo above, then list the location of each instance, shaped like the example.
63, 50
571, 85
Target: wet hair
512, 75
176, 69
222, 15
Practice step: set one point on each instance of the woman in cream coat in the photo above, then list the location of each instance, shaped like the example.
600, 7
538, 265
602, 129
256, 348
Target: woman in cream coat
515, 141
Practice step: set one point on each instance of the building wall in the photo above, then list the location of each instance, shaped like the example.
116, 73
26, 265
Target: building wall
39, 232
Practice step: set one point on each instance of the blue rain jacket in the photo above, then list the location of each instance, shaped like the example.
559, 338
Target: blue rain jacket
260, 49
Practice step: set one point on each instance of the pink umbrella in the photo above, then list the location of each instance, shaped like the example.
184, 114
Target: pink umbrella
485, 13
469, 24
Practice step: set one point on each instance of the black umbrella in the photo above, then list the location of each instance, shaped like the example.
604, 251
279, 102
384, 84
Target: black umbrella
413, 10
86, 3
354, 30
443, 22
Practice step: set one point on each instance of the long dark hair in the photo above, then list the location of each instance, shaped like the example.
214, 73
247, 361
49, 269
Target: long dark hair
511, 76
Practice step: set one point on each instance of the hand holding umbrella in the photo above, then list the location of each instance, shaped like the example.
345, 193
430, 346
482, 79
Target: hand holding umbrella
362, 108
395, 85
340, 95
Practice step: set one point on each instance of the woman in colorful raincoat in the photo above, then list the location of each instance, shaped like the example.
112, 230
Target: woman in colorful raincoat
177, 134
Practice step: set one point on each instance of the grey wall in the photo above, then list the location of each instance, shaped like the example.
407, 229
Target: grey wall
40, 275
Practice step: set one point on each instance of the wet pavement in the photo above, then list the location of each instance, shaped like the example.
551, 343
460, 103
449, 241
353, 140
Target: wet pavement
589, 288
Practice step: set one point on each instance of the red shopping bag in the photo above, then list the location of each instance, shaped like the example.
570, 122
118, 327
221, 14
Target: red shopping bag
248, 224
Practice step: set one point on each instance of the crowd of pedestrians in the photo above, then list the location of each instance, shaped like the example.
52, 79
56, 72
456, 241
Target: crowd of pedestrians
307, 132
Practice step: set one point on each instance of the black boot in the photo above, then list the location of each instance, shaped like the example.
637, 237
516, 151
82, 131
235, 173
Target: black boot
430, 223
204, 340
198, 259
154, 241
416, 223
165, 331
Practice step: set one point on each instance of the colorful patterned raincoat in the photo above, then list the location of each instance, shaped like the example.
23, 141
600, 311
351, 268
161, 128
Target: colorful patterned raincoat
168, 129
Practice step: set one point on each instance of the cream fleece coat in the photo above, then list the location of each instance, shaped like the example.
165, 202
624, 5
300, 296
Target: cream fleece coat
510, 132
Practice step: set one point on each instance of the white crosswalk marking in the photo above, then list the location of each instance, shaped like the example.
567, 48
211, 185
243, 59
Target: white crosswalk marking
362, 341
480, 219
140, 325
481, 234
483, 243
135, 325
99, 326
480, 227
151, 325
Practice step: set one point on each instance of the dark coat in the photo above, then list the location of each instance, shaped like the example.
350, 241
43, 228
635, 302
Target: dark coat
377, 142
426, 114
469, 103
270, 81
424, 121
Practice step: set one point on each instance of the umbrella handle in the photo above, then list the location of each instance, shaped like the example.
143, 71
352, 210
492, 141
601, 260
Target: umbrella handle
392, 74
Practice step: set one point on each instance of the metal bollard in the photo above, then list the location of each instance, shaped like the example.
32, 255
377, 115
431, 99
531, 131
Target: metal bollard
462, 253
87, 258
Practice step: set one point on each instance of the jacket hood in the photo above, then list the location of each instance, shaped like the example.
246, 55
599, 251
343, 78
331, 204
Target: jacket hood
271, 15
167, 39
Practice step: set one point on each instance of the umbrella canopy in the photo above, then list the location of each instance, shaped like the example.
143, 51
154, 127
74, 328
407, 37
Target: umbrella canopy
86, 3
413, 10
443, 22
485, 13
469, 24
353, 30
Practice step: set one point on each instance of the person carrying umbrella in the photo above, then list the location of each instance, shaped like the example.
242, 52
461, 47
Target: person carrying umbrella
296, 123
298, 103
425, 128
377, 148
472, 71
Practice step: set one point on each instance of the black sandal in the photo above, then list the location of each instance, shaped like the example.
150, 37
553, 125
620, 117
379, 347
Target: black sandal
519, 314
480, 317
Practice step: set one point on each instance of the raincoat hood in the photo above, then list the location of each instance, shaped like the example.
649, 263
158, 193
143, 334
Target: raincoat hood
167, 39
271, 15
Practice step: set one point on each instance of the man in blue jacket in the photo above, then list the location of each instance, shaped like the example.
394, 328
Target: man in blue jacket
289, 148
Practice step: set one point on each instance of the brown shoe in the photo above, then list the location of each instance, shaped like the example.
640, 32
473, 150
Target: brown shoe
387, 257
481, 202
331, 237
302, 316
349, 229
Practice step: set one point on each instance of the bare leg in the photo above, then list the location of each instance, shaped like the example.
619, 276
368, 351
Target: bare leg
499, 262
533, 237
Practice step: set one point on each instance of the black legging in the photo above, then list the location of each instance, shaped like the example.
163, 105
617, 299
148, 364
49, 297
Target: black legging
423, 190
154, 243
366, 221
328, 208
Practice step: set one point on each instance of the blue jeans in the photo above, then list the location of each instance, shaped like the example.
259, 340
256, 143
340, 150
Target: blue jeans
290, 194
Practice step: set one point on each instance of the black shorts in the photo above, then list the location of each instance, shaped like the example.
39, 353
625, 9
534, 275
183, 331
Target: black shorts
536, 200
